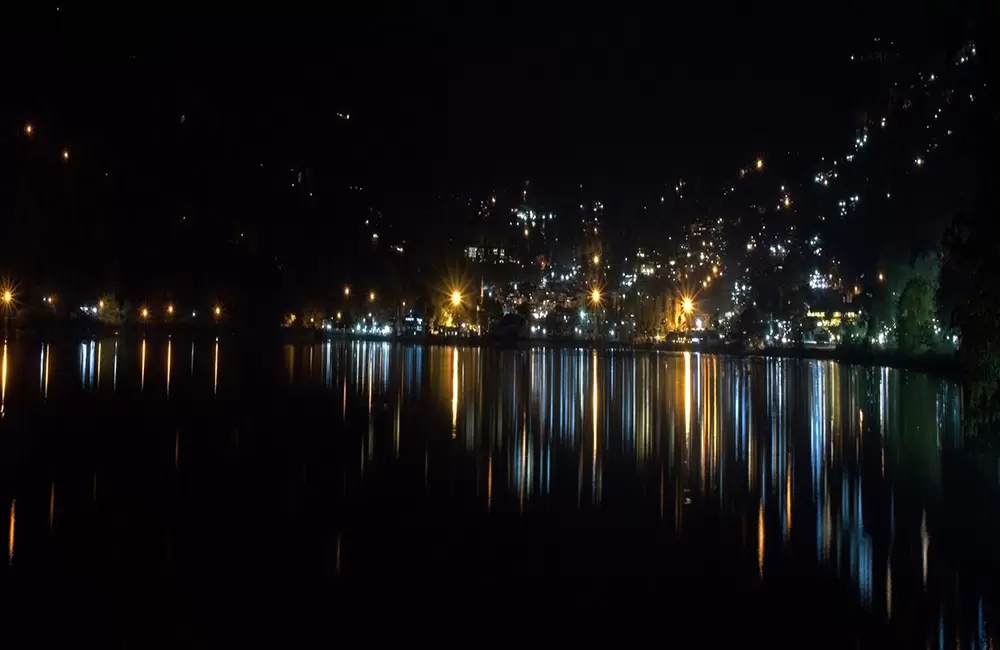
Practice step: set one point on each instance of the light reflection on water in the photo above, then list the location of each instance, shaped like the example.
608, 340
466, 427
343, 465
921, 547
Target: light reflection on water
845, 462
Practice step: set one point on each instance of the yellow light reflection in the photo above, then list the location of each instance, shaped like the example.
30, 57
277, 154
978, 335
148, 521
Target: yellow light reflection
169, 355
687, 399
215, 369
98, 365
142, 372
788, 501
52, 505
760, 539
454, 392
489, 483
10, 535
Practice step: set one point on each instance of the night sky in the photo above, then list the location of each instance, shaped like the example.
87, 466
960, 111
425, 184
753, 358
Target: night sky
210, 116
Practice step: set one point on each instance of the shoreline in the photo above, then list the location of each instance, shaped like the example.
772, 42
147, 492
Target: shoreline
946, 366
943, 365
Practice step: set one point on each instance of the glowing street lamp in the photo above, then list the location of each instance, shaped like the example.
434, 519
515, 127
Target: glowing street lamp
170, 310
597, 259
371, 296
595, 296
144, 313
456, 298
687, 305
8, 297
217, 311
759, 164
347, 292
28, 130
65, 154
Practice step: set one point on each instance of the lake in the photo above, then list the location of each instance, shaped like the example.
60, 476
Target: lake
169, 491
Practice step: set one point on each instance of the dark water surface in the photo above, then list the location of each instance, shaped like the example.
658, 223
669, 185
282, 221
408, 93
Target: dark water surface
236, 493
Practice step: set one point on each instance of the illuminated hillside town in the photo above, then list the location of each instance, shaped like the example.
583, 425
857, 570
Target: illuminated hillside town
778, 253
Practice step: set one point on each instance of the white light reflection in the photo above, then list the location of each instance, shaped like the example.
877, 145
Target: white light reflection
454, 392
3, 395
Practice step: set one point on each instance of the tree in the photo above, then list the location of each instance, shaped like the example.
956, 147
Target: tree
970, 276
915, 322
109, 312
895, 274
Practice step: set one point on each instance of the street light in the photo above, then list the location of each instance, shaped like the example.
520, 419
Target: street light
759, 164
144, 313
217, 311
595, 296
170, 310
687, 305
597, 259
28, 129
371, 296
347, 292
8, 297
456, 298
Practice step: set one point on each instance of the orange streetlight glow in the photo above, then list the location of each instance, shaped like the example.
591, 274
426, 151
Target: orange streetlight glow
456, 298
218, 311
595, 296
371, 296
27, 129
687, 305
65, 154
144, 313
170, 310
597, 259
347, 291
